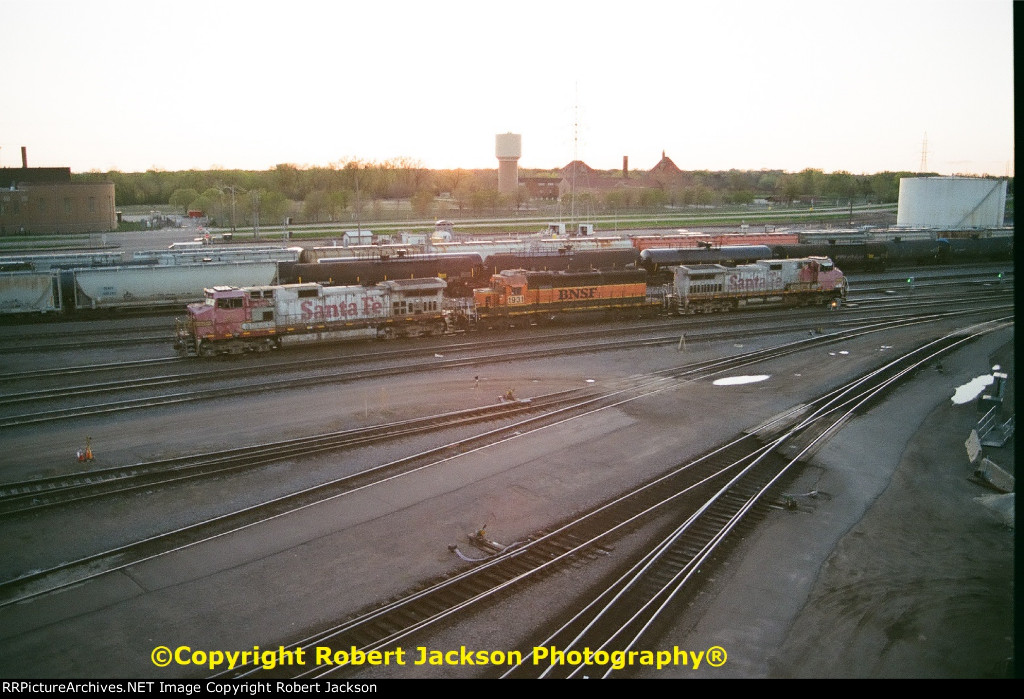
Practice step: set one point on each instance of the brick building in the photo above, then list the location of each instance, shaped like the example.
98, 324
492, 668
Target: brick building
45, 200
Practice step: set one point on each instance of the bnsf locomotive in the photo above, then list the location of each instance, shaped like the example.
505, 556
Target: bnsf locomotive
234, 320
516, 294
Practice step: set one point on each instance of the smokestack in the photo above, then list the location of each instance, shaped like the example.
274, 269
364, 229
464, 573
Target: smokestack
625, 166
24, 157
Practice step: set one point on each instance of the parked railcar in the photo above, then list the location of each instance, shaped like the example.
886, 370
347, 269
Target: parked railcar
462, 271
29, 292
519, 293
218, 253
992, 249
563, 261
234, 320
160, 285
868, 256
900, 252
798, 282
43, 262
660, 262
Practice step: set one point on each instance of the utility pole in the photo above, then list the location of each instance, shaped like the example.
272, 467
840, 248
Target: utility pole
255, 214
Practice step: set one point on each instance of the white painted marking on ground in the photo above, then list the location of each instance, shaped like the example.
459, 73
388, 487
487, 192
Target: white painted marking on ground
735, 380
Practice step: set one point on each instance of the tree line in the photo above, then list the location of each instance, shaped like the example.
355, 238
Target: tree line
346, 190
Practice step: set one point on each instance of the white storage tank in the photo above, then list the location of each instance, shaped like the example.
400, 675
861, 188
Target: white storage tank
951, 202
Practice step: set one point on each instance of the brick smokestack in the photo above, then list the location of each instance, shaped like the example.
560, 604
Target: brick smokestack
625, 166
24, 157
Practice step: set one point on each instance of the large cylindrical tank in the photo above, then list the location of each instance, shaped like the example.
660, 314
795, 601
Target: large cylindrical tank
951, 202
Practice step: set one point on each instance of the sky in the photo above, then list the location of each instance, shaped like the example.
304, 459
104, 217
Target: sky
99, 85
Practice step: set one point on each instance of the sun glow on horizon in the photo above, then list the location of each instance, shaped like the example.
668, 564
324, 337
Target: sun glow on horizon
743, 85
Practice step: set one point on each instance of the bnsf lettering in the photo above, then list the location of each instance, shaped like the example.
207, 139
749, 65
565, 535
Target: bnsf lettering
568, 294
328, 311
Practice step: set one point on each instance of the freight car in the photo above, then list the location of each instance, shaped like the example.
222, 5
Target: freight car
991, 249
660, 262
867, 256
61, 260
151, 286
518, 294
29, 292
462, 271
799, 282
563, 260
217, 253
900, 252
235, 320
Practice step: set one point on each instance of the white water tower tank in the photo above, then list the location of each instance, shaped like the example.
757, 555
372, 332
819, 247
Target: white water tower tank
951, 202
508, 147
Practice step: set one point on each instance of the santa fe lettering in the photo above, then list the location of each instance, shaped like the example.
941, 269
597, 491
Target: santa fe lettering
328, 311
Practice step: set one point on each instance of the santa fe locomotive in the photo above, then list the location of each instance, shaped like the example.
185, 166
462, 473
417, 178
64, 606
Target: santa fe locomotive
799, 282
236, 320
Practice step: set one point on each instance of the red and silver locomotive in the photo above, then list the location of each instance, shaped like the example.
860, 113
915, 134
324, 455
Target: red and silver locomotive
259, 318
799, 282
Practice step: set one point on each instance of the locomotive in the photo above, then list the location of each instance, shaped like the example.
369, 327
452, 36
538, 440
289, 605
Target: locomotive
234, 320
518, 293
797, 282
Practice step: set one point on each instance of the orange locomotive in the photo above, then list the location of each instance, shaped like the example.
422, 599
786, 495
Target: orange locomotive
518, 293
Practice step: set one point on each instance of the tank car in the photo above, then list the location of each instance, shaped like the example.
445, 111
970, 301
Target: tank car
565, 261
659, 262
992, 249
462, 271
868, 256
797, 282
900, 252
233, 320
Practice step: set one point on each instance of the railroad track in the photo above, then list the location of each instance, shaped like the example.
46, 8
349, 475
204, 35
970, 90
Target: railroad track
559, 407
42, 493
708, 499
252, 378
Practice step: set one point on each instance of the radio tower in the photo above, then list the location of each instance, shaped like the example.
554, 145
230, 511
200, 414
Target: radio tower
924, 154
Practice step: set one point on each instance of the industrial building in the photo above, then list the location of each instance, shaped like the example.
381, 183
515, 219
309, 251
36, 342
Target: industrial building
45, 200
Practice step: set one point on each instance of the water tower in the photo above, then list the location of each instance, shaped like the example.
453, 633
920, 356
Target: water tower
508, 147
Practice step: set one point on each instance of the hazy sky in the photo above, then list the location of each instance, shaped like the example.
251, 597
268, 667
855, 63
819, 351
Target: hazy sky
748, 84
